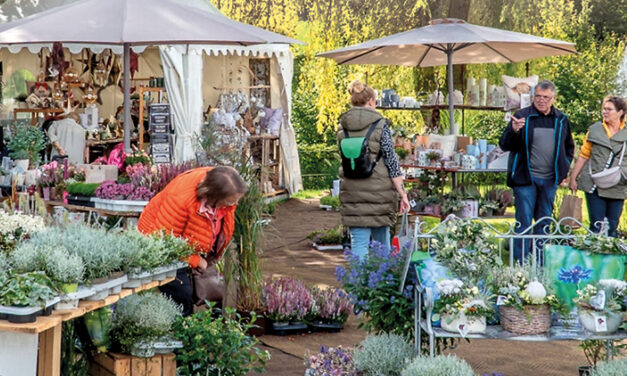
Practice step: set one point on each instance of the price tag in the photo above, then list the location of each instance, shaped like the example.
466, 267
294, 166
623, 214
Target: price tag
508, 117
463, 329
600, 323
501, 300
412, 203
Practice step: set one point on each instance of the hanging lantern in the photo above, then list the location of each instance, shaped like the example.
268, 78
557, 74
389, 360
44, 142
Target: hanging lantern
90, 96
57, 94
100, 74
71, 76
63, 86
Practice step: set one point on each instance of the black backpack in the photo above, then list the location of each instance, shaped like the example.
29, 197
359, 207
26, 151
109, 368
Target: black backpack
355, 154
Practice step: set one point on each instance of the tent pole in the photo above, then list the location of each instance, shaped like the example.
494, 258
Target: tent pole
451, 104
127, 98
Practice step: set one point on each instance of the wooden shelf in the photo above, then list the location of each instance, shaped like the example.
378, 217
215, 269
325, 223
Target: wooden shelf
103, 212
44, 323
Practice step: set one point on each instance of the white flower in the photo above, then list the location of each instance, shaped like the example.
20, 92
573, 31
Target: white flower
617, 285
449, 286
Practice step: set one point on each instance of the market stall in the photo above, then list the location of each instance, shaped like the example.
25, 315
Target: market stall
233, 75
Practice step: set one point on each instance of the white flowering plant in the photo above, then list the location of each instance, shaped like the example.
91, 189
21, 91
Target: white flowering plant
514, 287
465, 247
15, 227
457, 299
606, 295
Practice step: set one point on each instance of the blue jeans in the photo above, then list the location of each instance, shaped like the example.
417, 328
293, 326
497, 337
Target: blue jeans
360, 238
532, 202
600, 208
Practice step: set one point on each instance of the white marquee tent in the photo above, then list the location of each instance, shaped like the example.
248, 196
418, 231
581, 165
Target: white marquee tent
217, 67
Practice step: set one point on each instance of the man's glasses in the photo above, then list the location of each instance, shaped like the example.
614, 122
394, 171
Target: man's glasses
542, 98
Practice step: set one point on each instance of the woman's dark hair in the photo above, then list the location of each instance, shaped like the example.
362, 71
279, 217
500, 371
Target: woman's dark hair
619, 103
220, 183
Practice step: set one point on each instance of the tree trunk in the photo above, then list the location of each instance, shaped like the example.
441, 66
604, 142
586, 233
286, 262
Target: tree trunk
459, 9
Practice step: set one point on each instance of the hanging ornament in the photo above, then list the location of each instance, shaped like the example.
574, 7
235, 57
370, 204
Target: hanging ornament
90, 96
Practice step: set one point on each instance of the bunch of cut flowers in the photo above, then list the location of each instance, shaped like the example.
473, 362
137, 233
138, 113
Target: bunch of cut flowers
51, 174
456, 300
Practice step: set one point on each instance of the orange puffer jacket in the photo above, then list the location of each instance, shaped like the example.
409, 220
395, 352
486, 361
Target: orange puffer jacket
176, 209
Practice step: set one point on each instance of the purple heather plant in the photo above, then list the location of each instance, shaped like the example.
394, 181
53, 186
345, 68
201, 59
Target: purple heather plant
332, 361
330, 305
107, 190
287, 299
141, 194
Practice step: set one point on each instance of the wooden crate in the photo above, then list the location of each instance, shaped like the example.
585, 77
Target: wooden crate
112, 364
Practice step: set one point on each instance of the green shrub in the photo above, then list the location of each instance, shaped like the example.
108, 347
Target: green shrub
442, 365
142, 317
383, 355
217, 346
82, 189
330, 236
319, 164
332, 201
612, 368
26, 143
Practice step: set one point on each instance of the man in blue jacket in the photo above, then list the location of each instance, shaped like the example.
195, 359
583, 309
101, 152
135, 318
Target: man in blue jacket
541, 148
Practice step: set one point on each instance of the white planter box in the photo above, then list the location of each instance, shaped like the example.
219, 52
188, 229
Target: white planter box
328, 247
120, 205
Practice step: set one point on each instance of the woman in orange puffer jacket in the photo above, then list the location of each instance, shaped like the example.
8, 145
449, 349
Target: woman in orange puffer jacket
198, 205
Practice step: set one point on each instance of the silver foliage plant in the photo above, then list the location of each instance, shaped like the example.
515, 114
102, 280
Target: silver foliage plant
443, 365
151, 310
612, 368
27, 258
64, 267
383, 354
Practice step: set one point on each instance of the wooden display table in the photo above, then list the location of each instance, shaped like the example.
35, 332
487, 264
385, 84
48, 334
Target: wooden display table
104, 212
48, 328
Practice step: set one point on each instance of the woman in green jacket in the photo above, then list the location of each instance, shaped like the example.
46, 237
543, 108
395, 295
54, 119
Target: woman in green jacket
604, 142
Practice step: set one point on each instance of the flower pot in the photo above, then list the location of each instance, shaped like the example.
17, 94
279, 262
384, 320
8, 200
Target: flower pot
463, 325
533, 319
53, 193
23, 163
589, 319
143, 349
331, 327
584, 370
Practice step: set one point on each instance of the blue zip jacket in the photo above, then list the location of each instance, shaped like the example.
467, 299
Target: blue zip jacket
519, 146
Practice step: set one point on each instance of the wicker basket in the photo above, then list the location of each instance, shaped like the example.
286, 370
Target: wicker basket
533, 319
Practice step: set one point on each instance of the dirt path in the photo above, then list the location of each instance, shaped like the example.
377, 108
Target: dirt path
288, 252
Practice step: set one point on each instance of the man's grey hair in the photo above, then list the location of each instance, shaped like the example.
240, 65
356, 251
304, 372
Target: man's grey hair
546, 85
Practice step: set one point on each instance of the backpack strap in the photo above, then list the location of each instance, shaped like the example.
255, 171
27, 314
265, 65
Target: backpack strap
367, 137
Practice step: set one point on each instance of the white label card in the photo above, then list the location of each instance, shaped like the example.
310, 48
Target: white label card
600, 323
412, 203
501, 300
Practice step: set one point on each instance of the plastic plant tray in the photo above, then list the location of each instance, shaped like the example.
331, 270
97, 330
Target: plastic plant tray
330, 247
20, 315
120, 205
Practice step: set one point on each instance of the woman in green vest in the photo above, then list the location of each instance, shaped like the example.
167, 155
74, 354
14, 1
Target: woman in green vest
602, 148
369, 205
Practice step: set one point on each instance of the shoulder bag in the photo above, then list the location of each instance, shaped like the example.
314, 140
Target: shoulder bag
610, 176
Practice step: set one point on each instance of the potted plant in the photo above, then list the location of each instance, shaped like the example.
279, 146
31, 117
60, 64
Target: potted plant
330, 361
383, 354
487, 208
504, 198
438, 365
232, 351
16, 226
26, 143
329, 202
140, 320
402, 153
524, 303
601, 305
330, 309
433, 157
288, 302
461, 309
433, 205
25, 296
51, 174
64, 268
327, 240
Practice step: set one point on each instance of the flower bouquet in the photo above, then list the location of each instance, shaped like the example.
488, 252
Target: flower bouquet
524, 303
601, 305
461, 309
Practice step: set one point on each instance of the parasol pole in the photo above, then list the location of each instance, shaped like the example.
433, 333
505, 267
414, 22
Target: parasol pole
127, 98
451, 104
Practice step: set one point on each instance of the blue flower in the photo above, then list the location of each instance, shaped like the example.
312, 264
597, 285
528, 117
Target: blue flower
340, 273
575, 275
